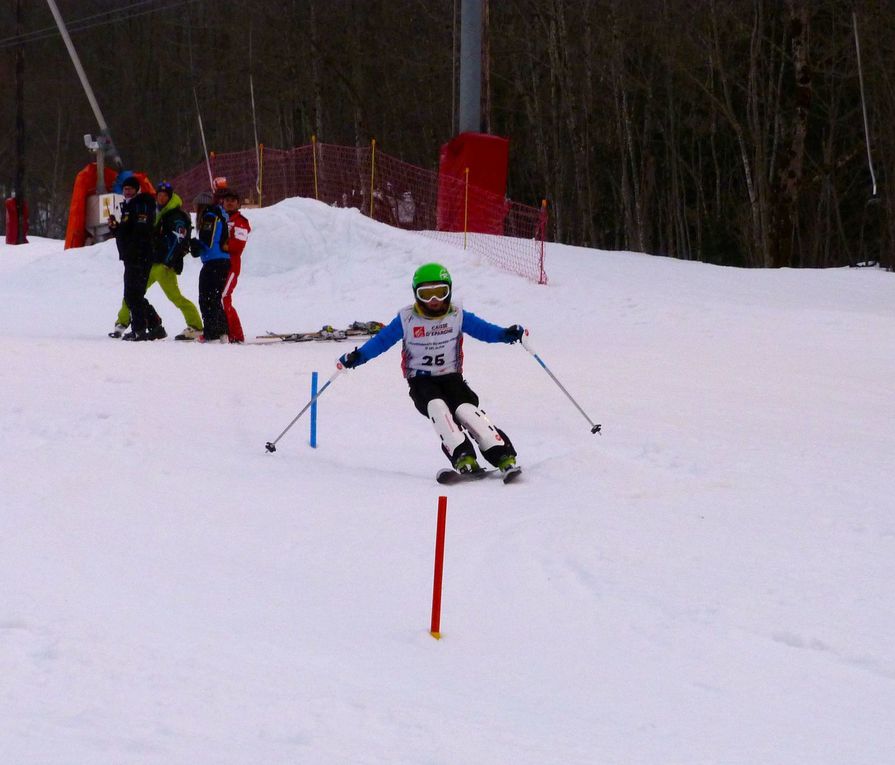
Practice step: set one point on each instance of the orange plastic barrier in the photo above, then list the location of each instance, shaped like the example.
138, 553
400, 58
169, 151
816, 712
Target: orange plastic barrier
76, 233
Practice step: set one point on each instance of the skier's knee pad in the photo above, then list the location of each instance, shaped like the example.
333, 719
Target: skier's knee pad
446, 427
479, 427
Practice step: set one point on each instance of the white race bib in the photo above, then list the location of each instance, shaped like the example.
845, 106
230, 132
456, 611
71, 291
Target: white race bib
432, 346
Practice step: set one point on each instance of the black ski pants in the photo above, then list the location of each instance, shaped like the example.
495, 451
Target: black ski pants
454, 390
212, 280
451, 388
136, 274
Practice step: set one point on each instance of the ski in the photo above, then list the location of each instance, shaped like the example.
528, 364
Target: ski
334, 335
512, 474
449, 476
326, 333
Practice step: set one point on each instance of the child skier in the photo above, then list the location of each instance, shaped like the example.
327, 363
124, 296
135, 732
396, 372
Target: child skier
431, 330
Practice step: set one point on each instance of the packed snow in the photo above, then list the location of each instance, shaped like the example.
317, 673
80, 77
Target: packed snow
707, 582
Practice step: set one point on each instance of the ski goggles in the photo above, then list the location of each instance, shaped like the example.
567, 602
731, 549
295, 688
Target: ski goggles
429, 292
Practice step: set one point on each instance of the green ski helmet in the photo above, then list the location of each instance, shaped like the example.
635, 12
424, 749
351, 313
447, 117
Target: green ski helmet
434, 274
430, 272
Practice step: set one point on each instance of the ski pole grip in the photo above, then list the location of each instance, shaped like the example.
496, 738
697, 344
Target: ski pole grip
526, 343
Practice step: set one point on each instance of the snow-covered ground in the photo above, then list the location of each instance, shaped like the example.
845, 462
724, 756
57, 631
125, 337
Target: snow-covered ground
710, 581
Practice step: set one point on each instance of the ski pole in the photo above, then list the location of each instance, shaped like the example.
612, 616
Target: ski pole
595, 428
271, 446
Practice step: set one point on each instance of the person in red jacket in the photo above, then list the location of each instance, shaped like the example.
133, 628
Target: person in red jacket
239, 235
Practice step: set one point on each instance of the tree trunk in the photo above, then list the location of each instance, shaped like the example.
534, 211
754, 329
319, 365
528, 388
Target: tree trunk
316, 79
789, 176
20, 127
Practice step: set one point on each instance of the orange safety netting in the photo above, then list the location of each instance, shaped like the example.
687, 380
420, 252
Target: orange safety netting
403, 195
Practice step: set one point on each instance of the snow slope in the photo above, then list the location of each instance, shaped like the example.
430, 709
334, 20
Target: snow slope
710, 581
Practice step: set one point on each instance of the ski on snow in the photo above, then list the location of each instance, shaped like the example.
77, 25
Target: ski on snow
326, 333
449, 476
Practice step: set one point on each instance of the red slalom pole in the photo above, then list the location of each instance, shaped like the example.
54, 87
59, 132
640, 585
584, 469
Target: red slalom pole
435, 627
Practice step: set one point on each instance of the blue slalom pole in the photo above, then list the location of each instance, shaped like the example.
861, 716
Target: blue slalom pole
313, 410
271, 446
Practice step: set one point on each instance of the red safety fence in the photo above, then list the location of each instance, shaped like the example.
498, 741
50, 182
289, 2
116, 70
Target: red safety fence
403, 195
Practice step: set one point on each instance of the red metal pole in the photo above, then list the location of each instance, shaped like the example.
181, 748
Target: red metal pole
435, 627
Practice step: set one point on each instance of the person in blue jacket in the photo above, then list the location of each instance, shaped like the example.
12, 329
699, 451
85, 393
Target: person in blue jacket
431, 330
211, 246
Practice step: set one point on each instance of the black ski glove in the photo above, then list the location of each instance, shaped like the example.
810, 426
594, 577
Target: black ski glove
195, 248
350, 360
513, 334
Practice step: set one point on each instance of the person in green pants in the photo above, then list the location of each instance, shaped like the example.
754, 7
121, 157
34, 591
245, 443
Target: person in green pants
171, 243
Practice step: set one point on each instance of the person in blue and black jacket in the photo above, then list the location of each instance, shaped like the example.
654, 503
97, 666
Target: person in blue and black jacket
431, 330
211, 245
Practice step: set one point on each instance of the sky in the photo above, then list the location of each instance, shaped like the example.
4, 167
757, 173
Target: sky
707, 582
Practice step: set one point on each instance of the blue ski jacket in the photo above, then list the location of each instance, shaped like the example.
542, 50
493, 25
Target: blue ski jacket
211, 242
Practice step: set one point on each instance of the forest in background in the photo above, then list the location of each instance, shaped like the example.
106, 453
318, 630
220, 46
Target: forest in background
726, 131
